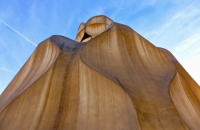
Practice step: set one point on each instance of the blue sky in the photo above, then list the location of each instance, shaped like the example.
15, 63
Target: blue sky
171, 24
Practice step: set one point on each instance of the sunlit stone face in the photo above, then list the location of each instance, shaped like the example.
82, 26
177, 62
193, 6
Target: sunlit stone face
93, 27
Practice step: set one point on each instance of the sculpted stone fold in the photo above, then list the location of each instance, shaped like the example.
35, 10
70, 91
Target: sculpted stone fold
40, 61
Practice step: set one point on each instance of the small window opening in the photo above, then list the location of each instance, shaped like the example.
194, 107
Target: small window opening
85, 36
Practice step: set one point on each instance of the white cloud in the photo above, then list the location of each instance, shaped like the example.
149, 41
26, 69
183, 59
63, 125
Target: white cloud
149, 2
7, 70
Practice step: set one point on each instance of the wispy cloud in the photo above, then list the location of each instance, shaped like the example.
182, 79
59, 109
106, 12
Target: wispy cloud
123, 9
184, 47
177, 21
7, 70
18, 33
178, 31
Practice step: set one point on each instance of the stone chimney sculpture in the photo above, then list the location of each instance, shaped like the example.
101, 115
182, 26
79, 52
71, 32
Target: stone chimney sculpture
110, 78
